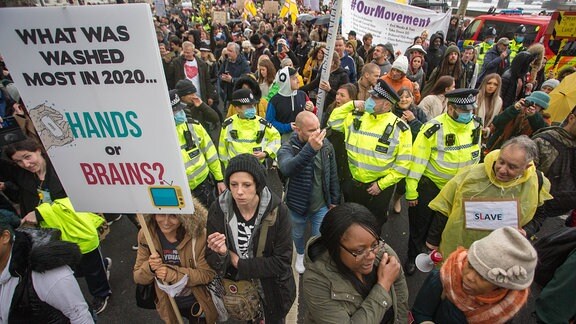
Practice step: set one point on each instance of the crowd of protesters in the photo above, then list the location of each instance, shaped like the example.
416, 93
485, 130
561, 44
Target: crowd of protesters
440, 125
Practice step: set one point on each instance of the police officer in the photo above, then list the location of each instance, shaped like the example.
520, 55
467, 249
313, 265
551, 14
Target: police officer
199, 154
443, 146
517, 44
486, 45
378, 146
246, 132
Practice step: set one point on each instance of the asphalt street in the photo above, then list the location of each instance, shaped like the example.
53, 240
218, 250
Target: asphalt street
122, 306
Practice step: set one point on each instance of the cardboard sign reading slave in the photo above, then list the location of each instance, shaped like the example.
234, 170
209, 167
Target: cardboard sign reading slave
219, 17
270, 7
491, 215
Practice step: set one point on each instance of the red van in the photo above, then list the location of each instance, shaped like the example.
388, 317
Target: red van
538, 29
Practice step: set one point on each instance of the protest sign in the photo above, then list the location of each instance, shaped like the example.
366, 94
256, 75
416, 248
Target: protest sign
335, 15
92, 80
390, 21
240, 5
219, 17
271, 7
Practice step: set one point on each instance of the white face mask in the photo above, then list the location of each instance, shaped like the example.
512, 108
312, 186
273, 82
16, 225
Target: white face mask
175, 289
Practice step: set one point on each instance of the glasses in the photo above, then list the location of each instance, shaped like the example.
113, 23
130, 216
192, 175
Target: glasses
364, 253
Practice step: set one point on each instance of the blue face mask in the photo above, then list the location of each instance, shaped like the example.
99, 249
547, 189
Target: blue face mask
180, 117
369, 105
519, 39
464, 118
490, 42
250, 113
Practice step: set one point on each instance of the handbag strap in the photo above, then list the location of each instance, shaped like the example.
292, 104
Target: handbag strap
266, 224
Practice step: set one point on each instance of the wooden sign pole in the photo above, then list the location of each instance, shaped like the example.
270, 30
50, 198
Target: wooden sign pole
152, 248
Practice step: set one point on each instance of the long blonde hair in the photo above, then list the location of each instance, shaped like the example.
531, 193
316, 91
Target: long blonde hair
489, 101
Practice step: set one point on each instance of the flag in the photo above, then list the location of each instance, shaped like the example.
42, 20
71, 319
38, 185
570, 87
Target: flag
290, 7
250, 7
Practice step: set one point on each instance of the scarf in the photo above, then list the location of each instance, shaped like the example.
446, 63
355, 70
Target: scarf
498, 306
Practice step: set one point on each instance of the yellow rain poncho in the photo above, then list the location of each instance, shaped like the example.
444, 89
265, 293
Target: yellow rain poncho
479, 181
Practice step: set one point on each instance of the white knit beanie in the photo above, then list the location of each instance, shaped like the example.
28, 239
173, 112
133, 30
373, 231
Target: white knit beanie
505, 258
401, 64
552, 83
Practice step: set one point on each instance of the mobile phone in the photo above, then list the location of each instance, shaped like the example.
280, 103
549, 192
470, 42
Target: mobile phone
280, 48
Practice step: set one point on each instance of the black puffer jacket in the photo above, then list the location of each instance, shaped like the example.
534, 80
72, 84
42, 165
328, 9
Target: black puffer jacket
517, 71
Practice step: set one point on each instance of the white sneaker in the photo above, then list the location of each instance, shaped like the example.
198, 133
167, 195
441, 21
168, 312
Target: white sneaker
300, 263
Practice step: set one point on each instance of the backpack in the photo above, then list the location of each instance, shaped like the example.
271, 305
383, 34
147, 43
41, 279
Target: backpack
552, 252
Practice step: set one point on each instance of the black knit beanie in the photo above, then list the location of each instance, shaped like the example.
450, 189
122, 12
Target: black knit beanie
185, 87
247, 163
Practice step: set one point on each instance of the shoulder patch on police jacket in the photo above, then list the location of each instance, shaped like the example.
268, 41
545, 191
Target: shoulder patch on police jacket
432, 130
265, 122
402, 125
227, 122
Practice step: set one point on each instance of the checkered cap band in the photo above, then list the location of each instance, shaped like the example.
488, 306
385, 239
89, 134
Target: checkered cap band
468, 100
175, 101
383, 93
244, 100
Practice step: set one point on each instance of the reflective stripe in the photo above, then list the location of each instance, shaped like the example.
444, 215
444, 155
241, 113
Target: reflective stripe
417, 160
353, 130
192, 162
456, 165
403, 157
415, 175
197, 172
212, 159
432, 169
336, 123
401, 169
369, 167
363, 151
455, 148
241, 140
208, 147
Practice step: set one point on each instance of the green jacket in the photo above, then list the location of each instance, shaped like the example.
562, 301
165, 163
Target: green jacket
76, 227
330, 298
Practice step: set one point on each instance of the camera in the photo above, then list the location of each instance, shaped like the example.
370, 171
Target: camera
528, 103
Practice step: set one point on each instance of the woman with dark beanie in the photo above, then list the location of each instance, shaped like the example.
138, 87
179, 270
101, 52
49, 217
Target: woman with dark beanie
235, 224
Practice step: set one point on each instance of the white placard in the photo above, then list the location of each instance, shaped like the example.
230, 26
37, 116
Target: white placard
335, 14
491, 215
390, 21
92, 80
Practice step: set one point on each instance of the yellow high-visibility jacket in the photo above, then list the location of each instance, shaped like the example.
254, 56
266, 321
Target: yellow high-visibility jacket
200, 156
379, 146
443, 146
240, 136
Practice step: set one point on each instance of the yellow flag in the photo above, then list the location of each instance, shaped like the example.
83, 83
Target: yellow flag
250, 7
285, 9
293, 11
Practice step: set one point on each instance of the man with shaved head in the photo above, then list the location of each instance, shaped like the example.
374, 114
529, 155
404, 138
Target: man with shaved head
308, 161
